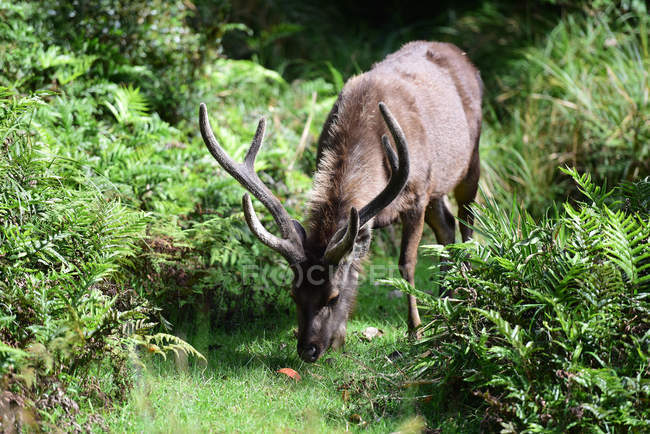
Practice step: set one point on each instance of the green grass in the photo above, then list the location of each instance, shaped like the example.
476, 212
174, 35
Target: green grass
240, 389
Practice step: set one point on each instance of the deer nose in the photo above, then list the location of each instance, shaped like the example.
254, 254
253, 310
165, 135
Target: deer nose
309, 353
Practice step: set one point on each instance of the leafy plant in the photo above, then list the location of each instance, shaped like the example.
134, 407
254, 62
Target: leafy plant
64, 251
548, 326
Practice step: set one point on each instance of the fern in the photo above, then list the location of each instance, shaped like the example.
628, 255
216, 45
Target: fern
637, 196
161, 343
130, 105
552, 315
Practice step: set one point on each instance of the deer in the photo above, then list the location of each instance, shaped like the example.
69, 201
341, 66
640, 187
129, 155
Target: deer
364, 182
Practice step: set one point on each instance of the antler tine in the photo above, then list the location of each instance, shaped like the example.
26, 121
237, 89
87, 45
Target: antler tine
211, 142
290, 245
284, 246
249, 159
392, 156
400, 173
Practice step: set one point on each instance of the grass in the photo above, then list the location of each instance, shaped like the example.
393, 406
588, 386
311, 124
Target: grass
240, 389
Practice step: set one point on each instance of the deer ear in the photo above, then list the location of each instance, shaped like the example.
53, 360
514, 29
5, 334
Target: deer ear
343, 240
300, 230
362, 243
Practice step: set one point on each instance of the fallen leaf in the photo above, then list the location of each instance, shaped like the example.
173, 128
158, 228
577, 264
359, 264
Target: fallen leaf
371, 332
345, 395
290, 373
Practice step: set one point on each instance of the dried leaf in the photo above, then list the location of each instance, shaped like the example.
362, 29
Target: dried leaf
290, 373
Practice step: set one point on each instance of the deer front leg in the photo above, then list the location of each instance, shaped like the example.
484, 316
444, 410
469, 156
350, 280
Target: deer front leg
412, 225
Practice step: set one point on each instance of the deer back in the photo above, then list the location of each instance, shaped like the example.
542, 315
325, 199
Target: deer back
435, 93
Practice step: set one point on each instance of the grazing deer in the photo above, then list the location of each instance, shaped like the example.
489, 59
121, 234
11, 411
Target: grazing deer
362, 183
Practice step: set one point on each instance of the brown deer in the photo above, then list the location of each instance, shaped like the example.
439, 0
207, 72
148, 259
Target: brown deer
362, 183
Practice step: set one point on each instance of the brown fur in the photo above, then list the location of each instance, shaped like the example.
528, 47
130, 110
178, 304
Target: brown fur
435, 94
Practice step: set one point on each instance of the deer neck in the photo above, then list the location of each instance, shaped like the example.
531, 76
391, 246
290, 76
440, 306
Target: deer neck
346, 177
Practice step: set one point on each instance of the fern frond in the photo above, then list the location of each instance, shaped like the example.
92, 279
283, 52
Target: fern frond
626, 242
637, 196
169, 342
130, 105
596, 193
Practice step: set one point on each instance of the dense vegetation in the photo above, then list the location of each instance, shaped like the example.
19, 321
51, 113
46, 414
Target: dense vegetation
118, 230
549, 325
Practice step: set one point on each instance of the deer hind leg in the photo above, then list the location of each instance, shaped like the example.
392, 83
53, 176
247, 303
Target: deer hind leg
465, 193
412, 225
441, 220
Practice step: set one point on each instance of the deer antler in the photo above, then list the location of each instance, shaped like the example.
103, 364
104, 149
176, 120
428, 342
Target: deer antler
290, 245
342, 243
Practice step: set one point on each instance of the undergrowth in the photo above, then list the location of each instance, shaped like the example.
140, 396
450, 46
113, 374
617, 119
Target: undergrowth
116, 225
581, 98
544, 325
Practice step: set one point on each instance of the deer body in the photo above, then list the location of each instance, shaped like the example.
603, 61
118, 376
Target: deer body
422, 95
435, 93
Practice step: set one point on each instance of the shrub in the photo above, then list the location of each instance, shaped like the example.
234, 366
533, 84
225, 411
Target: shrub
62, 245
148, 44
68, 247
548, 327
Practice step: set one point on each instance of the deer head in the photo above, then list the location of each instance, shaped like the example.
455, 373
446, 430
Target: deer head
325, 279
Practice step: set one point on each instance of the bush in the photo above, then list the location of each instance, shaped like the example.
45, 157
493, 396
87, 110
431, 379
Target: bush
62, 249
148, 44
112, 221
548, 327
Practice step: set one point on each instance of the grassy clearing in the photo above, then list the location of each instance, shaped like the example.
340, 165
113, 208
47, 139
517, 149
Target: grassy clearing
240, 390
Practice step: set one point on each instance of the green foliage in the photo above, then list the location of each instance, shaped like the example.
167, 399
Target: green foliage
546, 322
161, 343
64, 248
107, 211
148, 44
580, 97
59, 303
